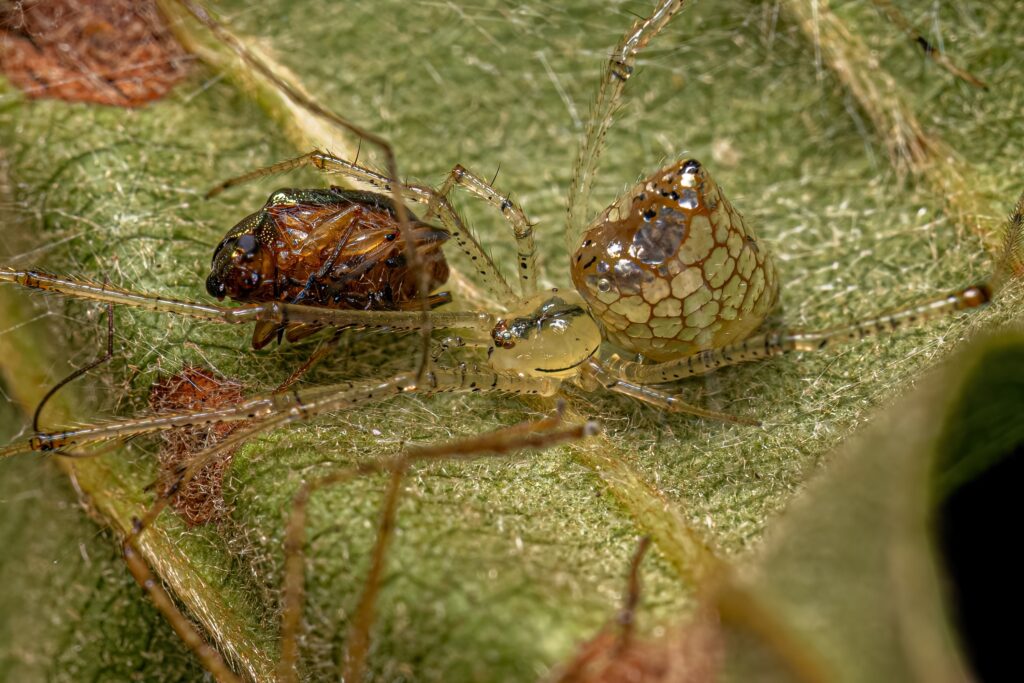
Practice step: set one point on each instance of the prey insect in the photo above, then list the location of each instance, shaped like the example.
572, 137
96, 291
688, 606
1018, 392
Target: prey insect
671, 273
335, 248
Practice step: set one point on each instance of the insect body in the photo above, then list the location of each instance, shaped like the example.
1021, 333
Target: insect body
334, 248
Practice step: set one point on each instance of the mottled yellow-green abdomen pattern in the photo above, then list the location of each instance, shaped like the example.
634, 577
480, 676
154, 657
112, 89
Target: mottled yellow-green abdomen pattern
672, 268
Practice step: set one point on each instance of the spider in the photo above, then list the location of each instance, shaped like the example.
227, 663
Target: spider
670, 272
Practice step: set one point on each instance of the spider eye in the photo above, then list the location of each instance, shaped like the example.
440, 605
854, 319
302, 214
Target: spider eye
247, 245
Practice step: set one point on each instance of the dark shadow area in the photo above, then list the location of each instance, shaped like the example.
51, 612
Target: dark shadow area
978, 484
976, 542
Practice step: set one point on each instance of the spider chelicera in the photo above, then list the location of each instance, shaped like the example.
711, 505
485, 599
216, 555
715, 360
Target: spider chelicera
670, 282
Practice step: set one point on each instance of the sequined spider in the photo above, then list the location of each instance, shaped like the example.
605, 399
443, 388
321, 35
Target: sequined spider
670, 282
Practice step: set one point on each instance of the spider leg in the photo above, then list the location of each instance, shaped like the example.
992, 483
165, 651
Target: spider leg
606, 377
777, 343
898, 19
522, 229
279, 410
274, 409
276, 312
447, 345
496, 284
537, 434
602, 112
182, 625
298, 406
437, 203
322, 161
304, 101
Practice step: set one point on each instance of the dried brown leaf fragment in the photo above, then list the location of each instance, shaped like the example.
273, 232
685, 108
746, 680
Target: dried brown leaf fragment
113, 52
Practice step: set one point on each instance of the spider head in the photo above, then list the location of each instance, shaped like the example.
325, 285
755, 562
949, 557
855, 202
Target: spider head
551, 334
672, 268
241, 264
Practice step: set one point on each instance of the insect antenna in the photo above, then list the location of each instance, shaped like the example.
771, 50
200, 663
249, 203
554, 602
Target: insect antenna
106, 357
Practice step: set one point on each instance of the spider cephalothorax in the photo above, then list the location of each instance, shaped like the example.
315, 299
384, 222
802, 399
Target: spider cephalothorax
551, 334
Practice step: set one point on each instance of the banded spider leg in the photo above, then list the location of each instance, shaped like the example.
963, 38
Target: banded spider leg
537, 434
592, 370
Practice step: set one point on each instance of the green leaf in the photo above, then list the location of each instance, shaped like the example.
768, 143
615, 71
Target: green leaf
499, 568
879, 569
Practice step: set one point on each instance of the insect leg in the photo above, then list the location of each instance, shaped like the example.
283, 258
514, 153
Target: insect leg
107, 355
324, 348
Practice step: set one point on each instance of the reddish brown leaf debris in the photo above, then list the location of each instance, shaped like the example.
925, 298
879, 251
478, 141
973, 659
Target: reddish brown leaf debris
116, 52
201, 501
688, 654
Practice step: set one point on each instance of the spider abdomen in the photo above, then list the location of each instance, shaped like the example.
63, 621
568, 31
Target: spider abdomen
672, 268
